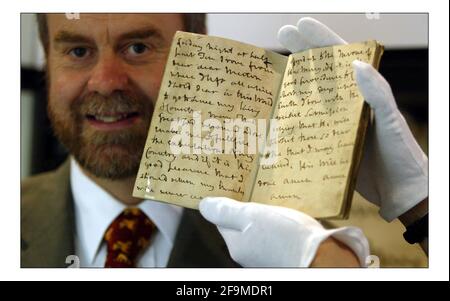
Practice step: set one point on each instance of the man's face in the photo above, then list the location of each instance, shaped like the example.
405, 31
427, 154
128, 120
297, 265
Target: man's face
105, 71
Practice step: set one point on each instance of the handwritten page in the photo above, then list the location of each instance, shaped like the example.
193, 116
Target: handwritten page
206, 78
321, 116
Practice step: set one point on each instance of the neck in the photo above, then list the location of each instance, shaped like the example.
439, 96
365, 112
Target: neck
121, 189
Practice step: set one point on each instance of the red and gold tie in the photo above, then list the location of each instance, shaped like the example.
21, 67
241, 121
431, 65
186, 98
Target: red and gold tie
126, 237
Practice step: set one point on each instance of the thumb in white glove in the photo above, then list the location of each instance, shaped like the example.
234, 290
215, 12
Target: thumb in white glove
394, 170
259, 235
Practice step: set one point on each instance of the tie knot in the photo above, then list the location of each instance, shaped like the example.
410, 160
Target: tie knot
126, 237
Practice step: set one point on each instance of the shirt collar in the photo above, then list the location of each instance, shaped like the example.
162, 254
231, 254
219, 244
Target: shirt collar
95, 209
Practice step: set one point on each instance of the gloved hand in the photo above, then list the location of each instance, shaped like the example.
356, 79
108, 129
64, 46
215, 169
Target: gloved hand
394, 170
259, 235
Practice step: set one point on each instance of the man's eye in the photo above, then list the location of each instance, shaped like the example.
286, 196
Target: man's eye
137, 49
79, 52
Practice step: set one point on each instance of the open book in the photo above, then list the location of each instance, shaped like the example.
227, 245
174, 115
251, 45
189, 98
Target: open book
306, 158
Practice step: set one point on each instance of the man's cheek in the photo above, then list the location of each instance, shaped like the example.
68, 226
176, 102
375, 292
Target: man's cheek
151, 88
66, 88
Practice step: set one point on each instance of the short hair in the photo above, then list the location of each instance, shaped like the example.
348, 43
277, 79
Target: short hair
192, 23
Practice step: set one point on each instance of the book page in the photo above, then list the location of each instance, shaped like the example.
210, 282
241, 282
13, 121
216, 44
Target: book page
208, 81
319, 122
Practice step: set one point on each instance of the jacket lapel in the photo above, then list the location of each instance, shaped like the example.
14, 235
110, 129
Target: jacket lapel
47, 219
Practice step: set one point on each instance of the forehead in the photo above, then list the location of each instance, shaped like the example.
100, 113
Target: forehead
114, 24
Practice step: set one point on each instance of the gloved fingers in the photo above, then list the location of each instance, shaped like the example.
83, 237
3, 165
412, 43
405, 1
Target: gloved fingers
318, 34
224, 212
308, 34
292, 214
374, 88
396, 163
291, 39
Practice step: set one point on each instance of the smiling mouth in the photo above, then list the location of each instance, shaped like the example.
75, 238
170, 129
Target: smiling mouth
111, 118
112, 121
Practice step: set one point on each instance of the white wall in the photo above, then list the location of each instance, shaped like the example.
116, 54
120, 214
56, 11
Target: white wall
27, 104
32, 55
392, 30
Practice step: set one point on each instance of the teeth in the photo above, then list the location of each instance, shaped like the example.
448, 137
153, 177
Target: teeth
109, 119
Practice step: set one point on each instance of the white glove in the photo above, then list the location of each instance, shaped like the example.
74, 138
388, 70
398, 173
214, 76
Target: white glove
394, 169
259, 235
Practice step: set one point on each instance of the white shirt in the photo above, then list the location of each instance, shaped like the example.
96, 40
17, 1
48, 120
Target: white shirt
95, 209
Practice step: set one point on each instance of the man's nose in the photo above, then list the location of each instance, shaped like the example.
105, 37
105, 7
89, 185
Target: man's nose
108, 75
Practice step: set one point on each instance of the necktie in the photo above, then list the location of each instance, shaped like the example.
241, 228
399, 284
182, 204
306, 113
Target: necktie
126, 237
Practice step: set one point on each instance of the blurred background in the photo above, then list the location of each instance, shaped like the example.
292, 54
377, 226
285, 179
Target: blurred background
404, 65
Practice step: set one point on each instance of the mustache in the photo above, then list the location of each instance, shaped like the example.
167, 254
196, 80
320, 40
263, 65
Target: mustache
118, 102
